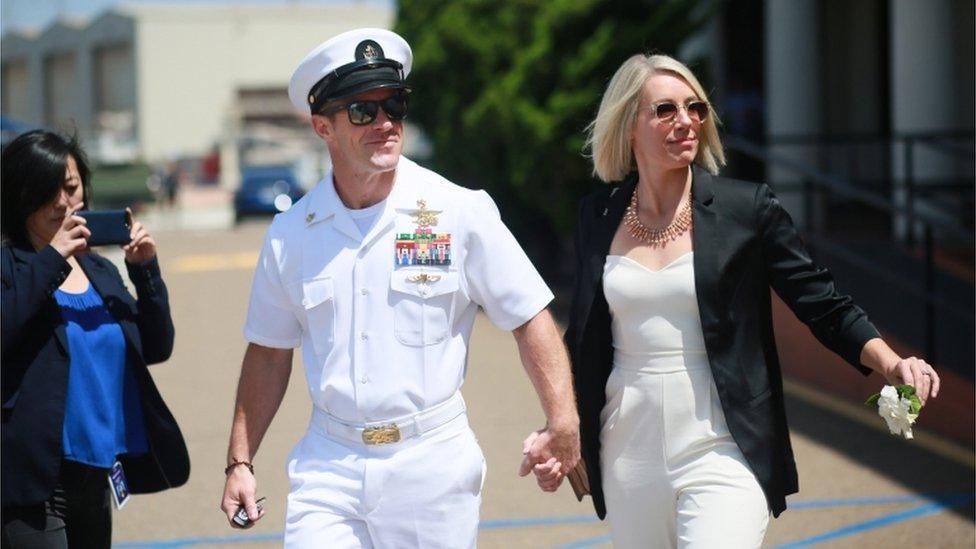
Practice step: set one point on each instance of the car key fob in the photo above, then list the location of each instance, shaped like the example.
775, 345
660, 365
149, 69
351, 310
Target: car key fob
240, 517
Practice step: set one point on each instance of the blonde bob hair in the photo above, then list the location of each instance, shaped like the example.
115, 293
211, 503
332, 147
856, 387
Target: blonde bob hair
608, 136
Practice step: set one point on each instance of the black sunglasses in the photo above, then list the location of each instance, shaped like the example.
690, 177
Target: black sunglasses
364, 112
666, 110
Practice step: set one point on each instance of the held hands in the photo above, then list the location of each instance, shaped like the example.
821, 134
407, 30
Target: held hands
72, 236
239, 490
142, 247
549, 475
550, 454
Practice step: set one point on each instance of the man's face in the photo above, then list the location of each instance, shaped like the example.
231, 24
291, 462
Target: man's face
367, 149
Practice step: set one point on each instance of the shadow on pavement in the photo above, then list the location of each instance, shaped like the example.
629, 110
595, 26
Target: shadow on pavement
905, 462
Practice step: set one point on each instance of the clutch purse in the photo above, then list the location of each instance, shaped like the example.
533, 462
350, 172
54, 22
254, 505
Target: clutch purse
579, 480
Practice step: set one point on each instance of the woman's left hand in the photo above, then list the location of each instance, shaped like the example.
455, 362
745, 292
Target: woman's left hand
916, 372
142, 247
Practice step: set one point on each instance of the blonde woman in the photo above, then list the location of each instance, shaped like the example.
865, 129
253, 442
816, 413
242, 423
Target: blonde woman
679, 388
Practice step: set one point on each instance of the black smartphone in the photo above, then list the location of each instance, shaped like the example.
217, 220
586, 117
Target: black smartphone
240, 517
107, 226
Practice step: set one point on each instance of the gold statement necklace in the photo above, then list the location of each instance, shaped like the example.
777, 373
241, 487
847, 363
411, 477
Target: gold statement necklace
657, 237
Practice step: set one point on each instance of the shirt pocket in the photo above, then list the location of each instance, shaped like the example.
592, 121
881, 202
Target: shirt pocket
318, 299
423, 305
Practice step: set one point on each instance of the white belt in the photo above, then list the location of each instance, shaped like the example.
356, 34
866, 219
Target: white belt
393, 430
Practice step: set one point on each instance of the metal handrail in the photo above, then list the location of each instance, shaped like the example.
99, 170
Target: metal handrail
839, 136
901, 281
843, 188
938, 140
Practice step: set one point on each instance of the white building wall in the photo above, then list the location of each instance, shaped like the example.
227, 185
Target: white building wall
183, 86
191, 61
188, 63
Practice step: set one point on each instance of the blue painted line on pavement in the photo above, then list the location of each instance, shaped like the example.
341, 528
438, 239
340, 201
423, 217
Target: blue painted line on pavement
957, 500
882, 500
185, 542
497, 524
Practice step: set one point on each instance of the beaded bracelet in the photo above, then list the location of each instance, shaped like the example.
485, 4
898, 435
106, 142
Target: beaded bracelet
235, 463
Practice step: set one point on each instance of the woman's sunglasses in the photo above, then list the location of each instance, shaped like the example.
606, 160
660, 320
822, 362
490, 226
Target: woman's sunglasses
666, 110
364, 112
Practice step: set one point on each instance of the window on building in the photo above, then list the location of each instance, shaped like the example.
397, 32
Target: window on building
115, 91
114, 103
13, 95
61, 99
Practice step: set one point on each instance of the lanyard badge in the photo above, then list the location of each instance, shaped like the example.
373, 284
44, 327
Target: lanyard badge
120, 487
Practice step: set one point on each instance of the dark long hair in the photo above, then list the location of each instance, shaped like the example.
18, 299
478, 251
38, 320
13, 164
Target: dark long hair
32, 170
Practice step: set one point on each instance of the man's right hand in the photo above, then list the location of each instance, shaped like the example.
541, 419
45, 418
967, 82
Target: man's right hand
239, 490
260, 390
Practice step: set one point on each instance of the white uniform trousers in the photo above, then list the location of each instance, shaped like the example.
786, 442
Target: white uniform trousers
672, 475
424, 491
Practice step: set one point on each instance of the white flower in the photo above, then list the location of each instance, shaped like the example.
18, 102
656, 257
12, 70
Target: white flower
896, 412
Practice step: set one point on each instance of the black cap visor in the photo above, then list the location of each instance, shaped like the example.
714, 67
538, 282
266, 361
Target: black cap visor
365, 80
352, 79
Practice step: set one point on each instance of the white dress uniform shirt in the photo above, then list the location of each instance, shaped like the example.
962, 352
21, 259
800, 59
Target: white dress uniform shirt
379, 340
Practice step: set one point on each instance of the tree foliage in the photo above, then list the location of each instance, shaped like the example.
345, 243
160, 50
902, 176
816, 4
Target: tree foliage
504, 91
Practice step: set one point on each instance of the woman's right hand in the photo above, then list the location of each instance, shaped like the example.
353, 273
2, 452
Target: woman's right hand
72, 236
549, 475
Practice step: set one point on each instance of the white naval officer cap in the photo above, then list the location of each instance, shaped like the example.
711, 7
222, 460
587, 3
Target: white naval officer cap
352, 62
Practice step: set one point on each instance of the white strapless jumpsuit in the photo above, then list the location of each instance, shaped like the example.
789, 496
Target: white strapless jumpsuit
672, 475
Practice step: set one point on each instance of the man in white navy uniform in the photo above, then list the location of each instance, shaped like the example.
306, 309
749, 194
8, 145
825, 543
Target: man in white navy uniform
377, 274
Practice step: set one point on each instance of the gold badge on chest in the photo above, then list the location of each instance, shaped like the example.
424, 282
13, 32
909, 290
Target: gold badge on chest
423, 217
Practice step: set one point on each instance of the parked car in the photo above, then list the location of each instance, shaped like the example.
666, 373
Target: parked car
266, 190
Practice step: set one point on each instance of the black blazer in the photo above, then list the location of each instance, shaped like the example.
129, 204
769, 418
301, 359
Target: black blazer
744, 244
35, 371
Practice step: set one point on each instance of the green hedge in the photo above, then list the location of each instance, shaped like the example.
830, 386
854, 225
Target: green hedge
119, 186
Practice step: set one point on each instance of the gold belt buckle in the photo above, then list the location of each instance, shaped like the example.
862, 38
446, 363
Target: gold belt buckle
383, 434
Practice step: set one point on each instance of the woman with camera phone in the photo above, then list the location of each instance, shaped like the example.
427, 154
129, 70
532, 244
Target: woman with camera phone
78, 400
